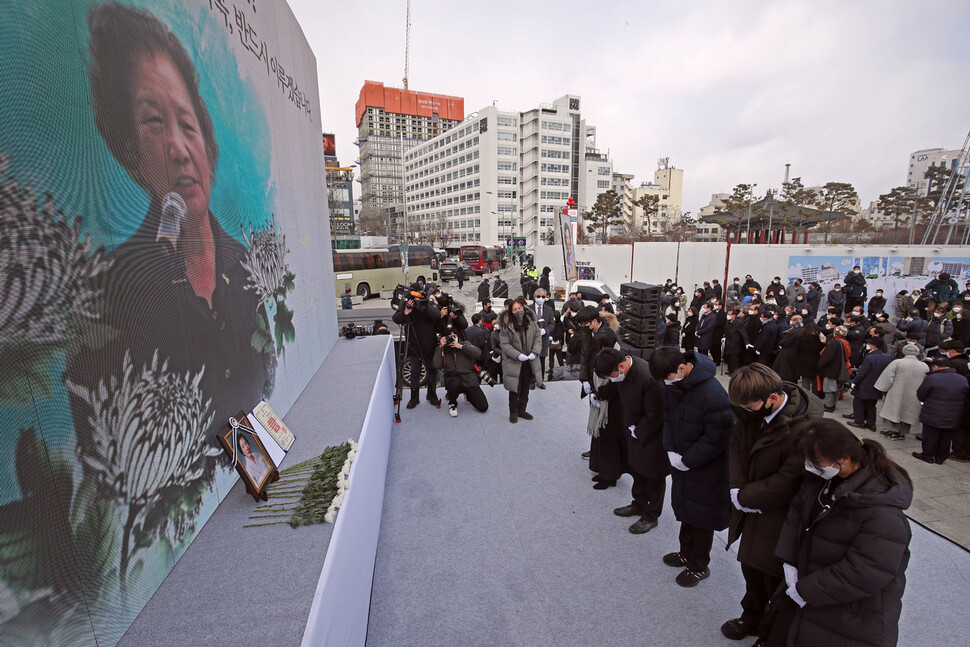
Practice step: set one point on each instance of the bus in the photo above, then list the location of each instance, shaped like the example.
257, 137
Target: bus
370, 271
483, 259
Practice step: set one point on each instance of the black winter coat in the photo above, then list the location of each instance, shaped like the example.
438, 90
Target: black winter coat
856, 335
422, 334
697, 425
854, 285
786, 362
705, 332
872, 367
809, 349
735, 337
689, 336
831, 362
767, 469
672, 334
942, 393
876, 304
643, 399
938, 330
851, 560
766, 341
915, 326
813, 297
483, 290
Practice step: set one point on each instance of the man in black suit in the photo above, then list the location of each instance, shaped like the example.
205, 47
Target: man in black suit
767, 340
642, 398
545, 318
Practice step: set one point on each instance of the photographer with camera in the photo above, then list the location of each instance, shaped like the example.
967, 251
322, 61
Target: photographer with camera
458, 359
420, 318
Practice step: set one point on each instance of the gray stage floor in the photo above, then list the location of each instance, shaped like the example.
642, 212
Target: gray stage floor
493, 535
249, 587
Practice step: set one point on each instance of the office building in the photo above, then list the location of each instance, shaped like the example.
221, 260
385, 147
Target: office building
921, 160
504, 174
340, 189
668, 186
389, 122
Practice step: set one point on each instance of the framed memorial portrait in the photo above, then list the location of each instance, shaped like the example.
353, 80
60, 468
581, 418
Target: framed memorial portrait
254, 463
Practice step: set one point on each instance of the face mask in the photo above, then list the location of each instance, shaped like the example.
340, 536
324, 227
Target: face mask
827, 473
618, 378
804, 312
858, 271
958, 310
735, 282
540, 301
936, 315
878, 294
669, 382
730, 317
518, 315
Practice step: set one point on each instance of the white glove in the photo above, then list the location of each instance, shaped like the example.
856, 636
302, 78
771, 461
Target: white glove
594, 401
497, 360
633, 430
532, 355
734, 500
523, 357
791, 574
677, 461
793, 594
748, 346
587, 387
542, 331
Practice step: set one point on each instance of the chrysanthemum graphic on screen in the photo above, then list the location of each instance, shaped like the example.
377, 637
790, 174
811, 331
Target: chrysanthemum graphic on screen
270, 277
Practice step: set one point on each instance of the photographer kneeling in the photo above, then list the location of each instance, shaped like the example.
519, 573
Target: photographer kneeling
461, 375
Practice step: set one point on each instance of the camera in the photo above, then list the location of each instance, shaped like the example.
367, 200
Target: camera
351, 331
484, 376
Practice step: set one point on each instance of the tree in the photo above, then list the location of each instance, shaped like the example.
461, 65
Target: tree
650, 203
796, 202
905, 206
937, 177
839, 198
605, 213
738, 203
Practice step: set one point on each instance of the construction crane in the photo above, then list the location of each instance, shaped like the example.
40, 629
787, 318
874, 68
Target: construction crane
407, 46
953, 200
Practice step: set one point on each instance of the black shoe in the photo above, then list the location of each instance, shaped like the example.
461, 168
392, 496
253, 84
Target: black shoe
827, 409
887, 434
856, 425
513, 417
585, 455
435, 400
642, 526
542, 386
737, 629
897, 436
848, 416
919, 437
675, 559
602, 485
688, 578
595, 478
413, 402
532, 387
627, 511
959, 459
525, 416
923, 457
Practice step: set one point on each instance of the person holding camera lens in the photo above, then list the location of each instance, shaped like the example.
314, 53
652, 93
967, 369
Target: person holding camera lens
458, 359
420, 318
521, 343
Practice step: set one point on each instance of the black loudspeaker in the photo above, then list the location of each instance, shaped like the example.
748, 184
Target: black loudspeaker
633, 351
639, 308
642, 292
640, 339
638, 324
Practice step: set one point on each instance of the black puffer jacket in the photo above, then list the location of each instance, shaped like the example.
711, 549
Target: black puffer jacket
767, 470
851, 560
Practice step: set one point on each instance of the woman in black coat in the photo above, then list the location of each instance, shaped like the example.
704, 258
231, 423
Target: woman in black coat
786, 361
700, 298
810, 345
735, 340
845, 544
690, 328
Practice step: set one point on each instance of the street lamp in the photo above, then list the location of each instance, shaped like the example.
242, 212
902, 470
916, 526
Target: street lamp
747, 233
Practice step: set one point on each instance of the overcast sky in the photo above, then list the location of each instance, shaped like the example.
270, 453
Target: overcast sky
730, 91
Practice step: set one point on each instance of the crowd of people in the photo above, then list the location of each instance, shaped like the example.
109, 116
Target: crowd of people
817, 512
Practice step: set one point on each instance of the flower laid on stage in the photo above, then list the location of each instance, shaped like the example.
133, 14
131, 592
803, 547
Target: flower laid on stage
309, 492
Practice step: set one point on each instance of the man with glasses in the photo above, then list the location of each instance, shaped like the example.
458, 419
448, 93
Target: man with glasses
766, 470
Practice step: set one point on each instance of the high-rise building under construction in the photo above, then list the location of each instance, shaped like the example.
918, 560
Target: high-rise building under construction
391, 121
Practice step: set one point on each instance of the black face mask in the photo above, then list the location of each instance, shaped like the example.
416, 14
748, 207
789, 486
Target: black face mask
752, 416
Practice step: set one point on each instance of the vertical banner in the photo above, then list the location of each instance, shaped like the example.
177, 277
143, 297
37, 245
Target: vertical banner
568, 244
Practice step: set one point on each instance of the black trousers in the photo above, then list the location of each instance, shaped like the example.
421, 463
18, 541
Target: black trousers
864, 411
519, 399
695, 546
555, 354
648, 495
416, 362
733, 361
716, 349
454, 388
758, 589
961, 443
936, 442
851, 302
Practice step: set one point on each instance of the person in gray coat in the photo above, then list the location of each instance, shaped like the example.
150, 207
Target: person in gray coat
521, 344
899, 381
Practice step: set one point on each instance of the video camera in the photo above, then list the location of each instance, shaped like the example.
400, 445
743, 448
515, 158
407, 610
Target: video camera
402, 294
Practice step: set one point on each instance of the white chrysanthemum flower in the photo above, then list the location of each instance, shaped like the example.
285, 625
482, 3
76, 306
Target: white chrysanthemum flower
265, 260
148, 430
46, 268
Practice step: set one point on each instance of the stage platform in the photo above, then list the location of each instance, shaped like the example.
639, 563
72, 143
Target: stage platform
239, 586
493, 535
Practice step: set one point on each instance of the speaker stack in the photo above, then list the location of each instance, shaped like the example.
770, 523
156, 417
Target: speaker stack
639, 318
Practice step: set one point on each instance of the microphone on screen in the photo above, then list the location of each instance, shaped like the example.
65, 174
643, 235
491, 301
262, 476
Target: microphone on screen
173, 215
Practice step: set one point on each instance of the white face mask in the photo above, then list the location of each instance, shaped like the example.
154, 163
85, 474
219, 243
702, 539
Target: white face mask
540, 301
669, 382
618, 378
827, 473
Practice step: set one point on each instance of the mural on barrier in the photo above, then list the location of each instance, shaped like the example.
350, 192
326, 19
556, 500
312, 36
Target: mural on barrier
888, 273
146, 287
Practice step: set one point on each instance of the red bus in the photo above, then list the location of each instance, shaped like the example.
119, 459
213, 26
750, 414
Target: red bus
483, 259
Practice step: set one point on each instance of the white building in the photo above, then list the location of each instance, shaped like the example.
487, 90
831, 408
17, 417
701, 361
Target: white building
668, 186
623, 185
502, 174
876, 217
922, 160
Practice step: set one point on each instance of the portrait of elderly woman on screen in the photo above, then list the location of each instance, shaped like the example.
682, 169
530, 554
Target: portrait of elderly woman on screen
177, 289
